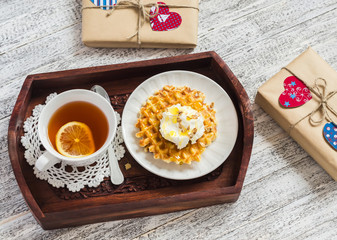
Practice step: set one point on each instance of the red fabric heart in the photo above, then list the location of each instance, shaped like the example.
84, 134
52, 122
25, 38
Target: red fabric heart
165, 20
295, 94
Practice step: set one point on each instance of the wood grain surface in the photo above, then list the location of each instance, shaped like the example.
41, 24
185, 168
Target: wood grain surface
286, 195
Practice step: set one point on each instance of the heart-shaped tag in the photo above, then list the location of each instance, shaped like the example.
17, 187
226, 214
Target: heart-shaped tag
165, 20
295, 94
104, 3
330, 134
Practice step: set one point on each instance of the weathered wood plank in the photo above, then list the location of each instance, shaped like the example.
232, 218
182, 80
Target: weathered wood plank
283, 185
11, 200
38, 20
3, 134
293, 220
319, 231
21, 61
25, 227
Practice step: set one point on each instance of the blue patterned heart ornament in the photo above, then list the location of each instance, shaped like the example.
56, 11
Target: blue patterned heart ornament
330, 134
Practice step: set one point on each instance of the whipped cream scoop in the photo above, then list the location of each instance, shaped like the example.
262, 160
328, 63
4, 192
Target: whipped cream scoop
181, 124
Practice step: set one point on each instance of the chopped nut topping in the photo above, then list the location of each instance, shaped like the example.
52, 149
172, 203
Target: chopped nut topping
179, 124
212, 105
195, 116
127, 166
194, 131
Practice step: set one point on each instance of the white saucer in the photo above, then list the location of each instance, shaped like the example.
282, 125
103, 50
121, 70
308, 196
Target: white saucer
214, 155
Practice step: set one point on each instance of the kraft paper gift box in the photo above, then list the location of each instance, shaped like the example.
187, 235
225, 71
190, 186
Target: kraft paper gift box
311, 123
102, 27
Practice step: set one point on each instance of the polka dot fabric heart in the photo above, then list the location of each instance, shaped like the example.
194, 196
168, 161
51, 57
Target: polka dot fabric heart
330, 134
165, 20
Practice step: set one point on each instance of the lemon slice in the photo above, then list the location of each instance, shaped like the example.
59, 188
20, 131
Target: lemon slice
74, 139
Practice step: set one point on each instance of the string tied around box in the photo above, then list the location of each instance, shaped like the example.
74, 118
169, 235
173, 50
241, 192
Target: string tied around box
143, 14
320, 90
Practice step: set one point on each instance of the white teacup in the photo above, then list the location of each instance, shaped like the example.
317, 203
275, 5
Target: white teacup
51, 156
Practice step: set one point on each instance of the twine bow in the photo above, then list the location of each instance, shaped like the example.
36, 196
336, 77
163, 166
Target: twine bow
319, 89
143, 14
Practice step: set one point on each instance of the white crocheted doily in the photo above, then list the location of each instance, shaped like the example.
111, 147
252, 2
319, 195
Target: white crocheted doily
62, 175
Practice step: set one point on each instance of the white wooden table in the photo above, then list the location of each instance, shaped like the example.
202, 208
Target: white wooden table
286, 195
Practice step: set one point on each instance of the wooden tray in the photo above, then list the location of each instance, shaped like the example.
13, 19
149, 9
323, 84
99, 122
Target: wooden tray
142, 193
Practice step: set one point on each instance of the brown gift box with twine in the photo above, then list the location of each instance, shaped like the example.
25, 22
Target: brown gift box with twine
305, 123
127, 25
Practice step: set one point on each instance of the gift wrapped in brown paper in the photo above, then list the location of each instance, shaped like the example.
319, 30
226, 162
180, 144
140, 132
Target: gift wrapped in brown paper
131, 24
306, 123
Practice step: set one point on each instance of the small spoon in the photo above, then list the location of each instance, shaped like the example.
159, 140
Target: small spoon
116, 175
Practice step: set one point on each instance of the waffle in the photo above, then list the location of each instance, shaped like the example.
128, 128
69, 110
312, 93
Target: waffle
149, 121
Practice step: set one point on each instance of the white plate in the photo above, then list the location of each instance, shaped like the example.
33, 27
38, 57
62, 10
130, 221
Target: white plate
214, 155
